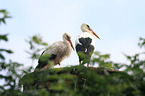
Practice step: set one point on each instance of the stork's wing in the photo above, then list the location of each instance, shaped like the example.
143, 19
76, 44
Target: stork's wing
85, 35
49, 54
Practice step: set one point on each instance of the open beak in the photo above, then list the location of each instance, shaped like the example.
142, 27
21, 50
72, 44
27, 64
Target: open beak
94, 33
71, 44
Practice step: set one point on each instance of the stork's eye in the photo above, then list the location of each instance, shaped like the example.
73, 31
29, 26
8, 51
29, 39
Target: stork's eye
67, 37
88, 26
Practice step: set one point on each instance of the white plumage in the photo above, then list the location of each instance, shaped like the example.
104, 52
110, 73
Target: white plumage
56, 52
85, 44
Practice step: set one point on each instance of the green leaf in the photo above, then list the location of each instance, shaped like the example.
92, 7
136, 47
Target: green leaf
37, 39
44, 43
2, 57
4, 37
8, 51
3, 21
2, 11
8, 16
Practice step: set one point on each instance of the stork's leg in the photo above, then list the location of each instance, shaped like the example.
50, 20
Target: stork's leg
80, 61
88, 65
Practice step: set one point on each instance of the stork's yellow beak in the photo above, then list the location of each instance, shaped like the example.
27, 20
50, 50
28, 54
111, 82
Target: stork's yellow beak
94, 33
71, 44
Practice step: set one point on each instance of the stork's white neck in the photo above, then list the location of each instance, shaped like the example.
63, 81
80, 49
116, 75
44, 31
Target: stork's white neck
66, 42
69, 48
84, 29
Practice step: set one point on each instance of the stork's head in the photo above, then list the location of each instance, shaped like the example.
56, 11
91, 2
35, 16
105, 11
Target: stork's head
86, 28
67, 37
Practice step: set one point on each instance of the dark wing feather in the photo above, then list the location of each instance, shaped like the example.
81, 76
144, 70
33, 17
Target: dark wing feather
84, 49
44, 60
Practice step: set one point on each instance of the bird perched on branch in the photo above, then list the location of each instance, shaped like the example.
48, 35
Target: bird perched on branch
85, 44
56, 52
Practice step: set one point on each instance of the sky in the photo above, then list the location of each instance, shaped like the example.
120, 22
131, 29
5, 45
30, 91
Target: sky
119, 24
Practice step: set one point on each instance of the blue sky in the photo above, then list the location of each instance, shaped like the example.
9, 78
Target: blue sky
119, 24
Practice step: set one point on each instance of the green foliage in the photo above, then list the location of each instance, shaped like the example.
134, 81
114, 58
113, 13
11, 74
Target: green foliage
9, 69
81, 81
5, 16
142, 42
85, 58
11, 75
4, 37
102, 60
35, 42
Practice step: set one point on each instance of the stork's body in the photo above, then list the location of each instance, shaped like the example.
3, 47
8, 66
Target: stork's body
85, 44
56, 52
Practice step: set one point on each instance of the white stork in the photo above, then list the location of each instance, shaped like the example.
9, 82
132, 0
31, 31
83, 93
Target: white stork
56, 52
85, 44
